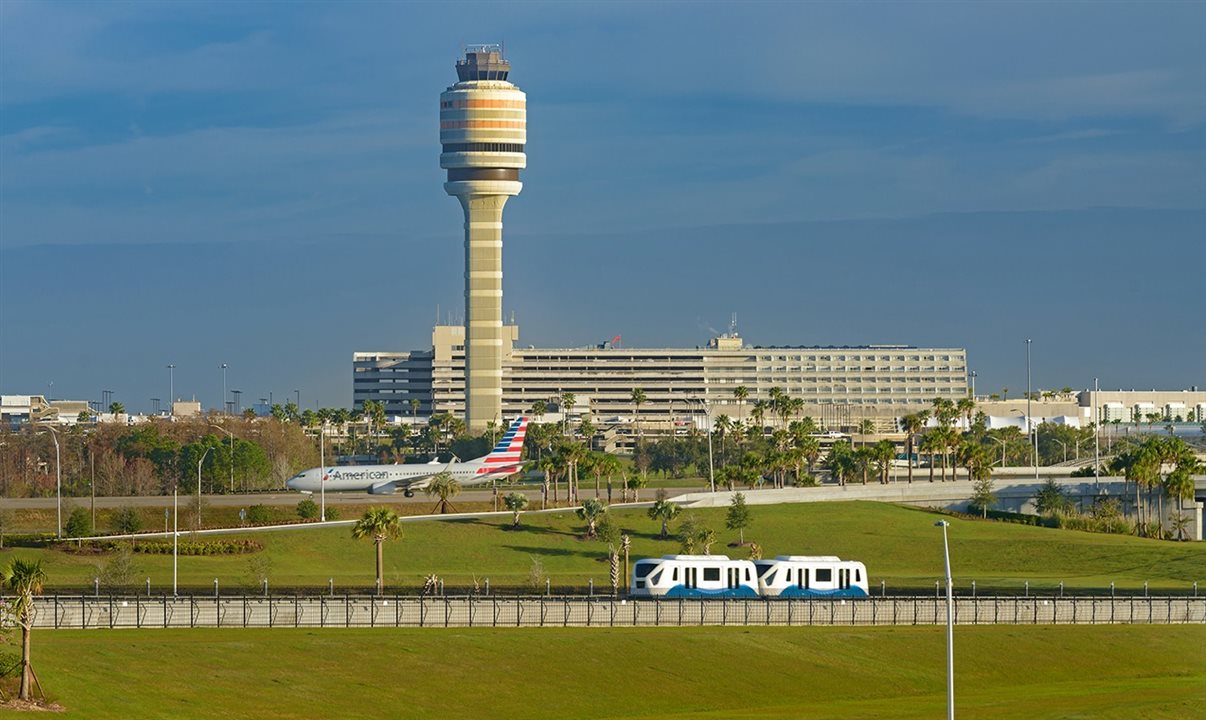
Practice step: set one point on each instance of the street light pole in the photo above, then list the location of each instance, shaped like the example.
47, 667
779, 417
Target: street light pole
203, 455
298, 394
224, 389
711, 470
231, 456
171, 388
1029, 421
176, 527
950, 626
1064, 446
1002, 443
322, 472
58, 483
1096, 439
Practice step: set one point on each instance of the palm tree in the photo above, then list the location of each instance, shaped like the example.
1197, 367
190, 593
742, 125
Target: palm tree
24, 579
866, 427
775, 403
591, 511
759, 416
913, 423
965, 407
884, 453
601, 464
568, 399
740, 393
665, 511
445, 487
117, 408
516, 503
638, 399
930, 444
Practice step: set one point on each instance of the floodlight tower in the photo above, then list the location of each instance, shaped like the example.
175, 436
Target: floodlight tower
483, 128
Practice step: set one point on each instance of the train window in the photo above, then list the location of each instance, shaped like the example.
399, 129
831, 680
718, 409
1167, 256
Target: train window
712, 574
858, 575
657, 577
747, 574
674, 575
766, 568
824, 575
643, 569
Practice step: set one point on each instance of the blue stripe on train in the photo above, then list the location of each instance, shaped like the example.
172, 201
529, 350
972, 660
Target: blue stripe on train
795, 592
681, 591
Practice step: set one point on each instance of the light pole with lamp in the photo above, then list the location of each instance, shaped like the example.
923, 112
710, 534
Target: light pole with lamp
224, 389
322, 472
708, 414
176, 527
58, 482
171, 388
1096, 440
297, 393
231, 456
1002, 442
1029, 421
1062, 445
199, 462
950, 625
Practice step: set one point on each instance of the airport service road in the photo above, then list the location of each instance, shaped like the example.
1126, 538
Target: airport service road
288, 498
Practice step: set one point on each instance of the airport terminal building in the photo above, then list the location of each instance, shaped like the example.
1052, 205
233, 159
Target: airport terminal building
840, 386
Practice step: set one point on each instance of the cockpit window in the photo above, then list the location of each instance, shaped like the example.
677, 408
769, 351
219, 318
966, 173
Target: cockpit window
643, 569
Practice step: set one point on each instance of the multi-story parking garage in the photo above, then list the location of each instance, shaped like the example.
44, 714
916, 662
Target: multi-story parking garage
838, 385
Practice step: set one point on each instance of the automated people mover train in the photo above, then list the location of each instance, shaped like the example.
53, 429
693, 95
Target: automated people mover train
716, 576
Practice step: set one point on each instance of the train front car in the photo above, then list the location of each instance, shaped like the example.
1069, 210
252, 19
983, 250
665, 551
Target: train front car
803, 576
694, 576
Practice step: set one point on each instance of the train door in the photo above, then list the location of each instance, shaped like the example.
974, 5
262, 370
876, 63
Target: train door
802, 578
844, 578
734, 577
691, 580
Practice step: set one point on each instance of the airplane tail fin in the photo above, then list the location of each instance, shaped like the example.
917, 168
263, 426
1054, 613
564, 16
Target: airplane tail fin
510, 445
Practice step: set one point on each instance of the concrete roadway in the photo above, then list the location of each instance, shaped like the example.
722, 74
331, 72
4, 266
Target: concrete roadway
290, 498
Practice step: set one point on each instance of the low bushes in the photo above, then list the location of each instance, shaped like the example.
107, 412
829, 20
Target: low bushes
162, 547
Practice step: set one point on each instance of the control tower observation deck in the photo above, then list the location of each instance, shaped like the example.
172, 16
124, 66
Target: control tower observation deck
483, 128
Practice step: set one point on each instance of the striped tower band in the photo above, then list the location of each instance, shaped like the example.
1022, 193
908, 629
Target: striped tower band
483, 129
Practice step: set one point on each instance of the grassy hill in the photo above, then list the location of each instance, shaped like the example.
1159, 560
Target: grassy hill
1002, 673
899, 545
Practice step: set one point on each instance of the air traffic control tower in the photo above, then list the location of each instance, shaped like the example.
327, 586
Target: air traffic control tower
483, 127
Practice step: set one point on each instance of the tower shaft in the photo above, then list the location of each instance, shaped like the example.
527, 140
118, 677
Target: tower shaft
483, 308
483, 128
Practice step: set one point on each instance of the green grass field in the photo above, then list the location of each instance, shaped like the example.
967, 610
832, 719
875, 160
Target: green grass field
899, 545
1102, 672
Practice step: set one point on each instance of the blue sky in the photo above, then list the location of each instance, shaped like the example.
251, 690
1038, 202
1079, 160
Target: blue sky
258, 184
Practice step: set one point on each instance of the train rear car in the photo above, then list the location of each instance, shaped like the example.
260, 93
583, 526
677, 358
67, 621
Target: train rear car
790, 576
694, 576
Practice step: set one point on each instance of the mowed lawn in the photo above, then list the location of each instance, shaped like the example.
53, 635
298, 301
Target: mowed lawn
899, 545
1003, 672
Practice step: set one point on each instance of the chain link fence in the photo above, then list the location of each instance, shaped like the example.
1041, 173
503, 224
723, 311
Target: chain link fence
349, 611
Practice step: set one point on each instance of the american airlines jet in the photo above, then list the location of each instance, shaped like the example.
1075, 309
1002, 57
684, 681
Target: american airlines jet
503, 460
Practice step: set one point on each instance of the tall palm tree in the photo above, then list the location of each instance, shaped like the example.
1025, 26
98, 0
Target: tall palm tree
24, 579
930, 444
965, 407
381, 524
758, 414
740, 394
445, 487
638, 399
775, 401
884, 453
568, 400
723, 426
866, 426
912, 424
601, 464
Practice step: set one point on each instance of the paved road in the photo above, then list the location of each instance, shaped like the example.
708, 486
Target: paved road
289, 498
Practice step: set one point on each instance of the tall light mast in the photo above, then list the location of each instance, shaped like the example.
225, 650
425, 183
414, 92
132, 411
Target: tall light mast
483, 128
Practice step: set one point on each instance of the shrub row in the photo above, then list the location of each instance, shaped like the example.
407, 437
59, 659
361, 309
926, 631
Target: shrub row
160, 547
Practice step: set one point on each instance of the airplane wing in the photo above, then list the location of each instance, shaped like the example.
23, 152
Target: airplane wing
410, 484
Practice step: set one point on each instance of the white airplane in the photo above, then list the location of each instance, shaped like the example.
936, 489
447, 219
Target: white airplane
502, 461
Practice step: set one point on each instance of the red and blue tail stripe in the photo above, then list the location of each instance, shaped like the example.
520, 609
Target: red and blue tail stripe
510, 445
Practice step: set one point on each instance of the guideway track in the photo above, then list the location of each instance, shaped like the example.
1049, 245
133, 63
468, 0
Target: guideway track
390, 611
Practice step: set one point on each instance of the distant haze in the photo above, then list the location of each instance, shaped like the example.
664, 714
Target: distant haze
257, 184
